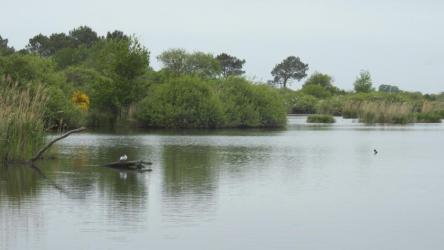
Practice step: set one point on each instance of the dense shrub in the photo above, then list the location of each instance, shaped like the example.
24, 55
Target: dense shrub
248, 105
430, 117
191, 102
320, 119
298, 102
331, 106
316, 90
182, 103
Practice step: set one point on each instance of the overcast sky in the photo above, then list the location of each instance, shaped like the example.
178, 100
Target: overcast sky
400, 42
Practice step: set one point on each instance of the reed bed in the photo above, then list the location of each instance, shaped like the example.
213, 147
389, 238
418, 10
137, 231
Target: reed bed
393, 112
21, 120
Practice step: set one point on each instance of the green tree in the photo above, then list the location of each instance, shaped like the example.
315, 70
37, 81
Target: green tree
317, 78
4, 48
48, 46
58, 41
320, 85
388, 88
202, 64
29, 68
290, 68
174, 60
316, 90
249, 105
363, 82
185, 102
70, 56
39, 44
230, 65
83, 35
180, 62
123, 61
117, 34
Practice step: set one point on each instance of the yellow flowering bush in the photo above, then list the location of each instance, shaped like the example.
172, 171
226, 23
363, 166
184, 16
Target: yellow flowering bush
80, 99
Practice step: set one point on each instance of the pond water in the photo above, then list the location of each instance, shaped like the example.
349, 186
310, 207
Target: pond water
308, 186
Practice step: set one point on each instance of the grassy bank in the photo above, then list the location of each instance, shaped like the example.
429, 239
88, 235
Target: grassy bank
372, 107
106, 81
21, 121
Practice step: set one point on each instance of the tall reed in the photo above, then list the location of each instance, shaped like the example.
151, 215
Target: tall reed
385, 111
21, 120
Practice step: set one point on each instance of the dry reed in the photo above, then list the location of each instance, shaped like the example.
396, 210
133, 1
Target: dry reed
21, 120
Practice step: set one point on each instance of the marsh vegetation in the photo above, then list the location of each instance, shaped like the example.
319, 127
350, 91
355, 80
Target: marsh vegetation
67, 80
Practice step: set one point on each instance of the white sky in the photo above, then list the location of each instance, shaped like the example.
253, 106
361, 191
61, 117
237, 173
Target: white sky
399, 42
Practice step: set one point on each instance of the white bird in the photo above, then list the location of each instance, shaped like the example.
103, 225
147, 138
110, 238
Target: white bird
123, 158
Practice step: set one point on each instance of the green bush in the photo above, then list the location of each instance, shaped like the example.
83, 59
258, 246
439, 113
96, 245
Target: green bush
320, 119
181, 103
331, 106
192, 102
316, 90
298, 102
430, 117
248, 105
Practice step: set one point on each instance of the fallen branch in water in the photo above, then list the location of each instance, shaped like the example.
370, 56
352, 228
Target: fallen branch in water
128, 164
40, 153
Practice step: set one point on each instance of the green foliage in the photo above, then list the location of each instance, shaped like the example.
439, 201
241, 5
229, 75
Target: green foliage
181, 103
60, 112
290, 68
320, 85
248, 105
70, 56
230, 65
48, 46
4, 48
363, 82
331, 106
192, 102
83, 35
34, 70
316, 90
113, 72
21, 120
297, 102
174, 61
117, 34
430, 117
388, 88
28, 68
320, 79
180, 62
320, 119
122, 62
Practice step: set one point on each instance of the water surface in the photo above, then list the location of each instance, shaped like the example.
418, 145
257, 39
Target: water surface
305, 187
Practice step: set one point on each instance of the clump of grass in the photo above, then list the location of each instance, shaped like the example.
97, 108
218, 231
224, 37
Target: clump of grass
320, 119
394, 112
429, 117
350, 110
386, 112
21, 120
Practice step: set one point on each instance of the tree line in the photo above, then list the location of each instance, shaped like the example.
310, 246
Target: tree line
101, 80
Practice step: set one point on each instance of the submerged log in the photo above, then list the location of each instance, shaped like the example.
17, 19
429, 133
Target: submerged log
129, 165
